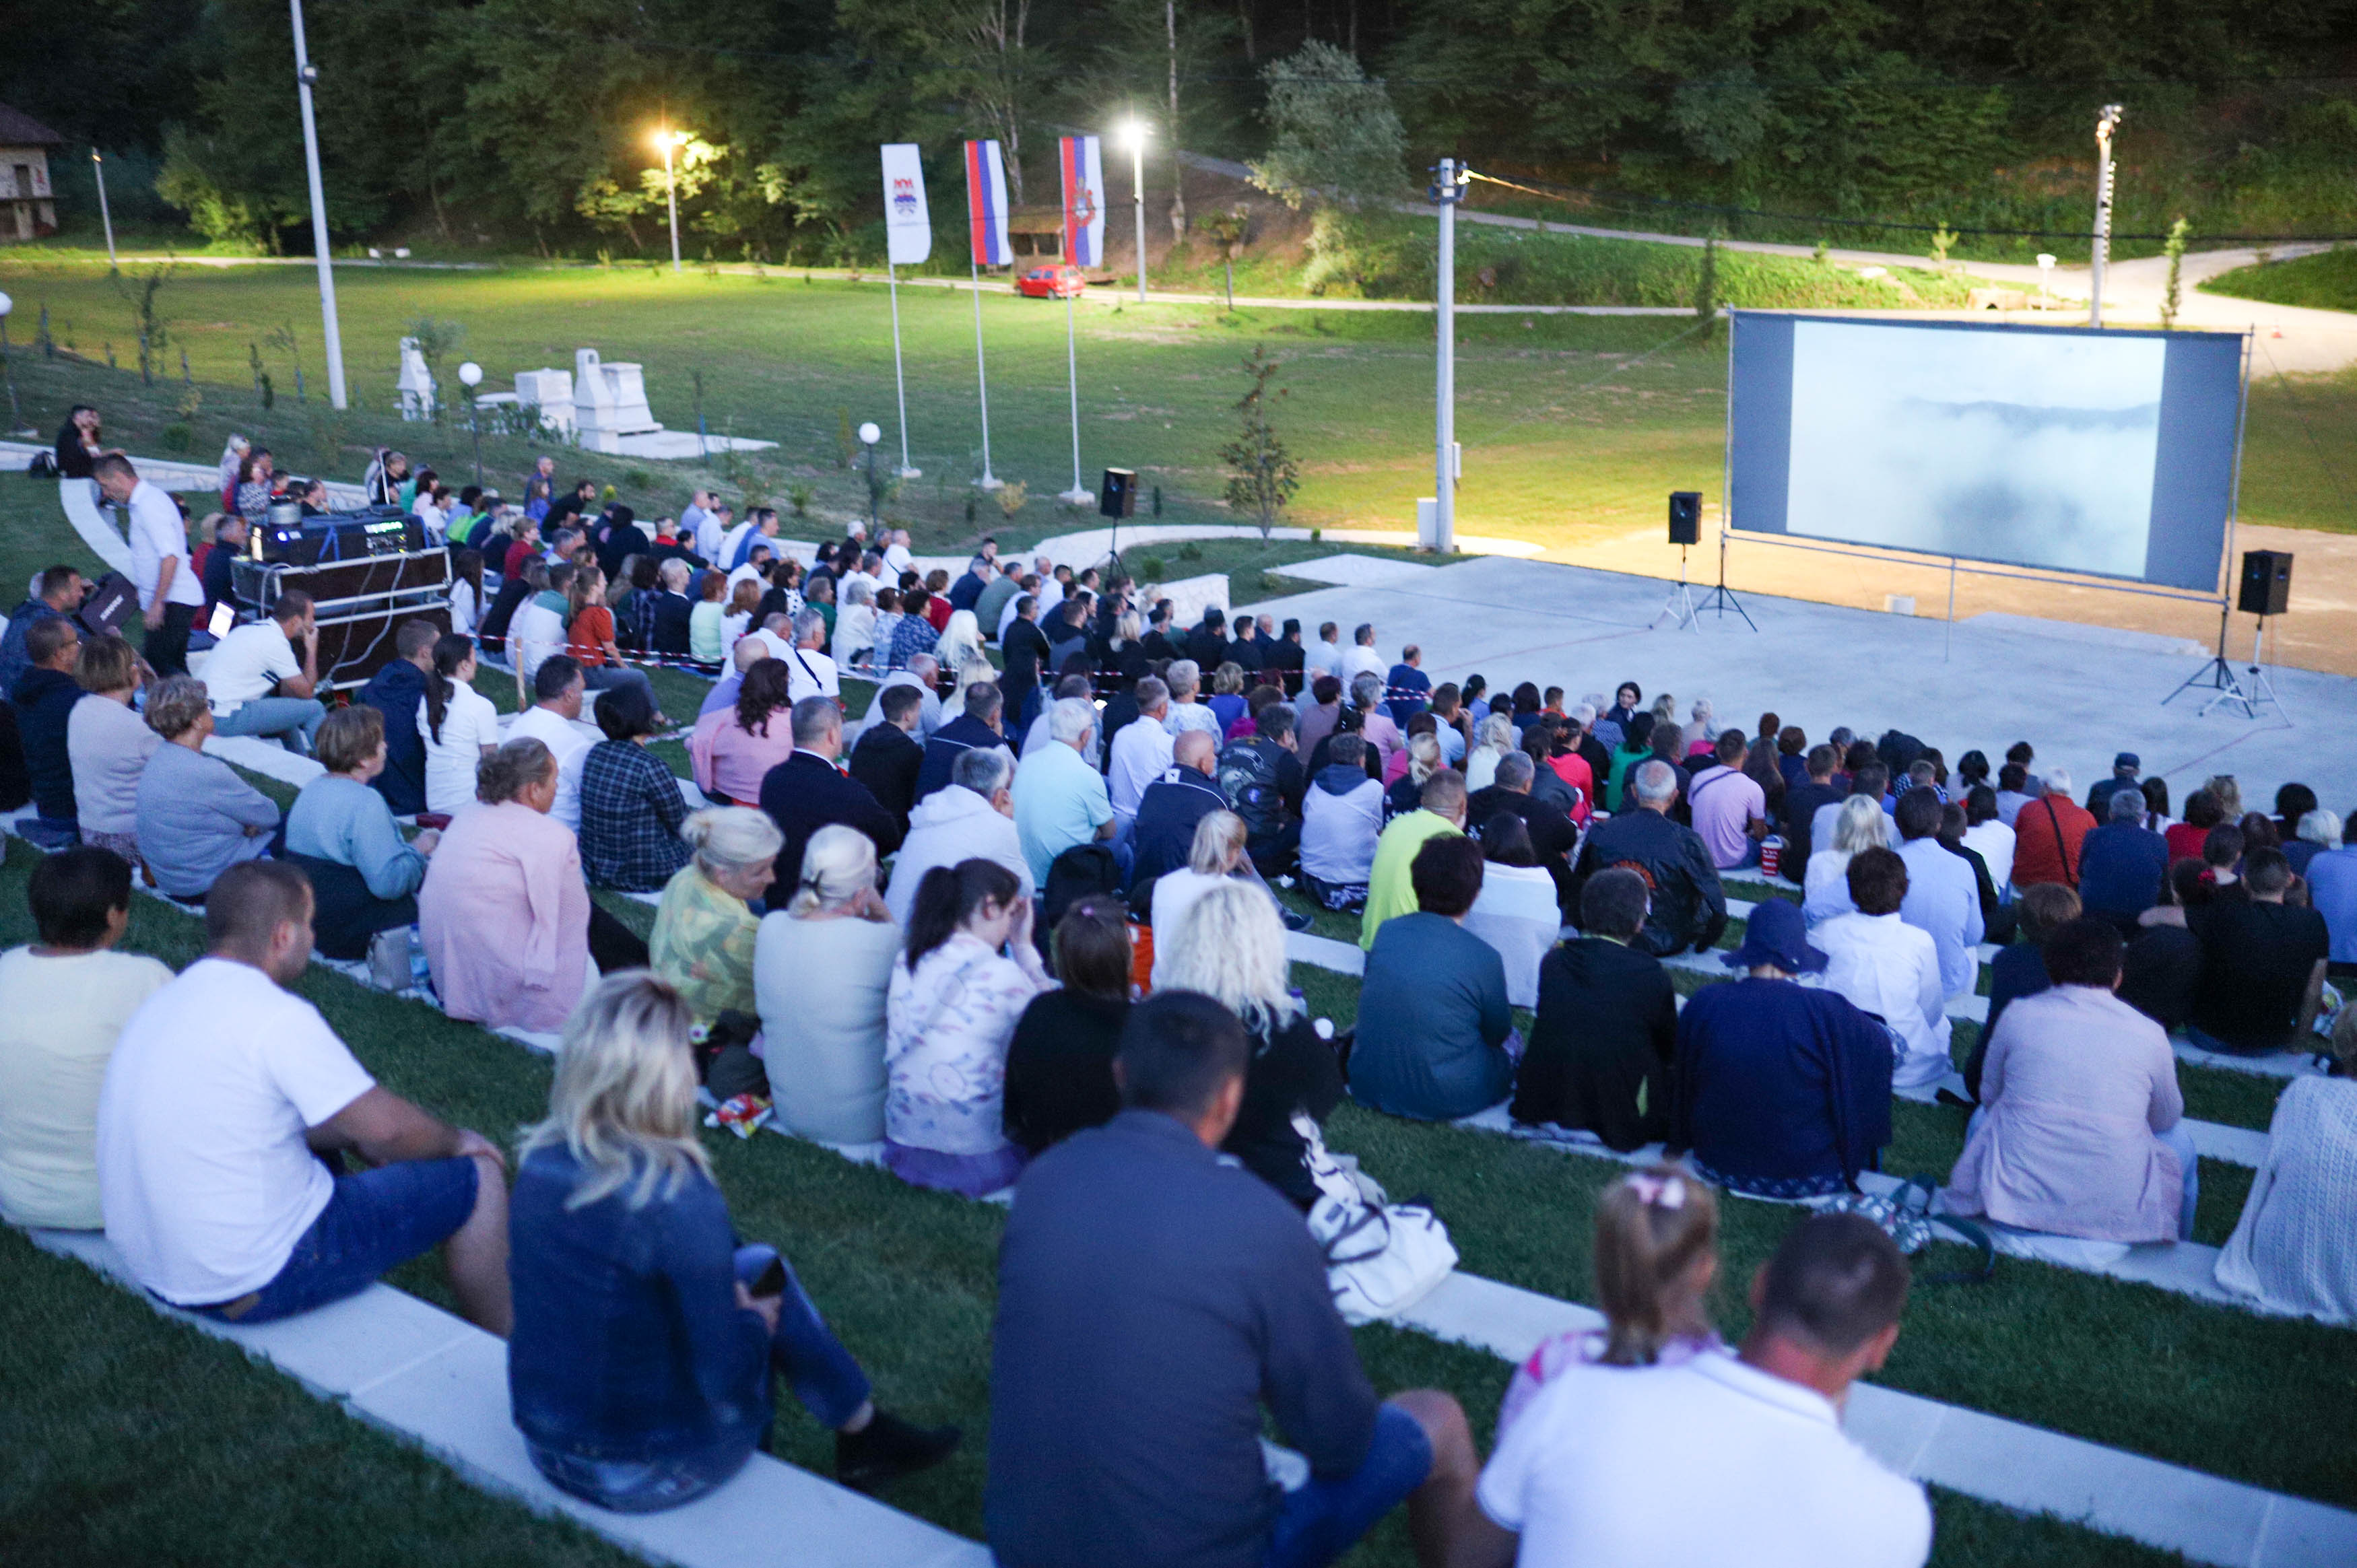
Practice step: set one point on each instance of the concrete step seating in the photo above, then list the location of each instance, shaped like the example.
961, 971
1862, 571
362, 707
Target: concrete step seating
427, 1378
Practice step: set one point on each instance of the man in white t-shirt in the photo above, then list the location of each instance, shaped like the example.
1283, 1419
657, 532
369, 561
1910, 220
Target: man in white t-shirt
260, 685
1719, 1458
809, 672
224, 1099
1141, 751
897, 555
169, 592
1361, 658
558, 692
710, 529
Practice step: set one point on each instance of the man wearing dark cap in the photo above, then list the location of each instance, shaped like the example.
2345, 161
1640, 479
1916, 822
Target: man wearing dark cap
2125, 767
1782, 1091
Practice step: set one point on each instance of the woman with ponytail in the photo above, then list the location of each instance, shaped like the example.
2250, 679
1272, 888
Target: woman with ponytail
1656, 1255
822, 969
458, 723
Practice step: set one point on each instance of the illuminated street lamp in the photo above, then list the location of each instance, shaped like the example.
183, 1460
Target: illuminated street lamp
869, 435
1135, 132
471, 376
669, 141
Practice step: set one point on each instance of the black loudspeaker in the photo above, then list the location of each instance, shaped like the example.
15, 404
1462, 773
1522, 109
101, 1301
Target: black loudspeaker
1118, 495
2267, 582
1685, 517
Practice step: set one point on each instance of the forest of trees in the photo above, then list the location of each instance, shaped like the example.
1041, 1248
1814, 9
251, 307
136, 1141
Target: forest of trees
522, 125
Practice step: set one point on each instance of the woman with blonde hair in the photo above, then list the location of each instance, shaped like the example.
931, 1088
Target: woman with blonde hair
1231, 947
1860, 825
1656, 1257
503, 911
744, 604
822, 971
646, 1339
961, 641
1492, 738
705, 926
2229, 795
1214, 857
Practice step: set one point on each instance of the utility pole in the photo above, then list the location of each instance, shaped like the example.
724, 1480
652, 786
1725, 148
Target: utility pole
98, 166
1446, 192
1138, 189
306, 76
2104, 124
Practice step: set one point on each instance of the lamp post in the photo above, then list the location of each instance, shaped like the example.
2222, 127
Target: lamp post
2104, 125
1447, 191
669, 141
307, 75
98, 167
471, 376
2046, 278
1134, 132
869, 435
15, 416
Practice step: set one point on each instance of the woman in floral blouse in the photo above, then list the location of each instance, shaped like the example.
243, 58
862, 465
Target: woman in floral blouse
705, 926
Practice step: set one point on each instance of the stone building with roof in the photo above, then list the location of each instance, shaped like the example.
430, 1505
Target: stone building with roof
28, 209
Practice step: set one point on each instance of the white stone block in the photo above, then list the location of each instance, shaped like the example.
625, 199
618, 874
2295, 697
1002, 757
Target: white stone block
417, 383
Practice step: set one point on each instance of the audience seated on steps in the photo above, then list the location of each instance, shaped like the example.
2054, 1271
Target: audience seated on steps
2020, 970
228, 1108
631, 808
263, 675
1516, 912
732, 749
1436, 1031
398, 690
2080, 1132
890, 755
647, 1339
108, 745
63, 1003
1858, 824
2263, 963
503, 912
364, 875
197, 818
2291, 1250
558, 693
1342, 820
1577, 1477
1889, 968
1943, 896
1155, 1304
1606, 1034
1782, 1091
809, 791
44, 697
1689, 907
1060, 1062
1653, 1261
2121, 865
458, 724
969, 969
706, 929
1390, 892
821, 973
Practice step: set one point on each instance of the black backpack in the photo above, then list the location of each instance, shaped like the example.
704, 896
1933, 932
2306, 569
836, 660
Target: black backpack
1247, 777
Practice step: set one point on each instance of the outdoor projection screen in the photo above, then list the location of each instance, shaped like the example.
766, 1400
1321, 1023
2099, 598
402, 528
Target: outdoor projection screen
2106, 453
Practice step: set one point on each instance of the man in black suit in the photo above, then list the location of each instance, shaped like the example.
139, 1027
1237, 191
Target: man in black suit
807, 792
1156, 640
889, 757
978, 726
1284, 658
1249, 649
1207, 645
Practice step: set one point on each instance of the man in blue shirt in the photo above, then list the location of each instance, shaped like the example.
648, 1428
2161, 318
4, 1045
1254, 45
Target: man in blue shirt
1409, 686
2122, 863
1060, 796
1153, 1301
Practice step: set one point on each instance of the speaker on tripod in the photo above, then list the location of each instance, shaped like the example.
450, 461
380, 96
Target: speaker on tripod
2267, 582
1685, 517
2262, 590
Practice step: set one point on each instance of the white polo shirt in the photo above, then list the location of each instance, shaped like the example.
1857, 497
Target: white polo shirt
809, 672
156, 531
248, 664
202, 1168
1709, 1461
568, 746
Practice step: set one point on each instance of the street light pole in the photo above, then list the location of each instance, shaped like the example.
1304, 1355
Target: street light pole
105, 216
869, 435
471, 376
16, 415
306, 74
670, 192
2104, 123
1137, 187
1446, 192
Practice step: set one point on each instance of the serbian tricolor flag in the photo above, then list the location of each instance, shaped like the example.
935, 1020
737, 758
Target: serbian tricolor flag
985, 204
1083, 201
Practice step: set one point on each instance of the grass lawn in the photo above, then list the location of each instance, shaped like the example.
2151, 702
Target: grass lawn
2326, 281
1573, 426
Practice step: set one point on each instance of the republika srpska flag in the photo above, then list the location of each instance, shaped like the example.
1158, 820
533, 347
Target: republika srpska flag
1083, 201
985, 204
907, 228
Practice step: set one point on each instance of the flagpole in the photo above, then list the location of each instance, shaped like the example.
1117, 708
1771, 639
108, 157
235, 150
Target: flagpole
989, 481
899, 382
1076, 495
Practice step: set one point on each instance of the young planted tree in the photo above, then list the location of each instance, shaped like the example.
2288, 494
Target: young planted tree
1706, 288
2174, 250
1263, 476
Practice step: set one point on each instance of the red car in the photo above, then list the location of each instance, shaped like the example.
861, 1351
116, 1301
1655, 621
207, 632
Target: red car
1051, 283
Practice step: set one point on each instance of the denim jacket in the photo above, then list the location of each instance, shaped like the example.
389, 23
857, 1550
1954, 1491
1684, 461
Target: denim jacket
628, 1344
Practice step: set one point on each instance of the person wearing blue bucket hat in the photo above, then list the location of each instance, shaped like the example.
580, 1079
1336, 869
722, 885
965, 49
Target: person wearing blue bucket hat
1780, 1090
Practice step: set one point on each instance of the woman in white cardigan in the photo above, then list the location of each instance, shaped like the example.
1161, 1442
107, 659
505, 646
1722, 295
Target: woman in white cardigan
2290, 1251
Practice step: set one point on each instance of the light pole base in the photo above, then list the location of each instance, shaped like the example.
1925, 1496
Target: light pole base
912, 473
990, 482
1076, 496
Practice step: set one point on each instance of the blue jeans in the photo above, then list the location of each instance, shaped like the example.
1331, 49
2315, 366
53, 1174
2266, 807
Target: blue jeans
280, 718
376, 1219
803, 1350
1322, 1519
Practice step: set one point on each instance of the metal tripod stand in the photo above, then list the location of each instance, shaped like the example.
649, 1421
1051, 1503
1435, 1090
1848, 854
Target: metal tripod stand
2226, 688
1678, 609
1722, 598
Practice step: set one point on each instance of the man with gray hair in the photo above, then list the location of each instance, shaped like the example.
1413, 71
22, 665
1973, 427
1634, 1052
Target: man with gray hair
809, 672
672, 609
1185, 678
971, 818
1689, 905
924, 673
1594, 717
809, 791
1060, 796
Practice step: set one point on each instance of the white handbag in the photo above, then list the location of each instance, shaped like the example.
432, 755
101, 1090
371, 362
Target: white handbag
1382, 1257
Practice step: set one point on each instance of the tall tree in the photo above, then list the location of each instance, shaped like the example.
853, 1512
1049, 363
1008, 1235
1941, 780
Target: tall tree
1334, 131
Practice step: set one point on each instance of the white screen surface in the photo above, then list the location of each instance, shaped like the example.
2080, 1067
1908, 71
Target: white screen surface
2031, 449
